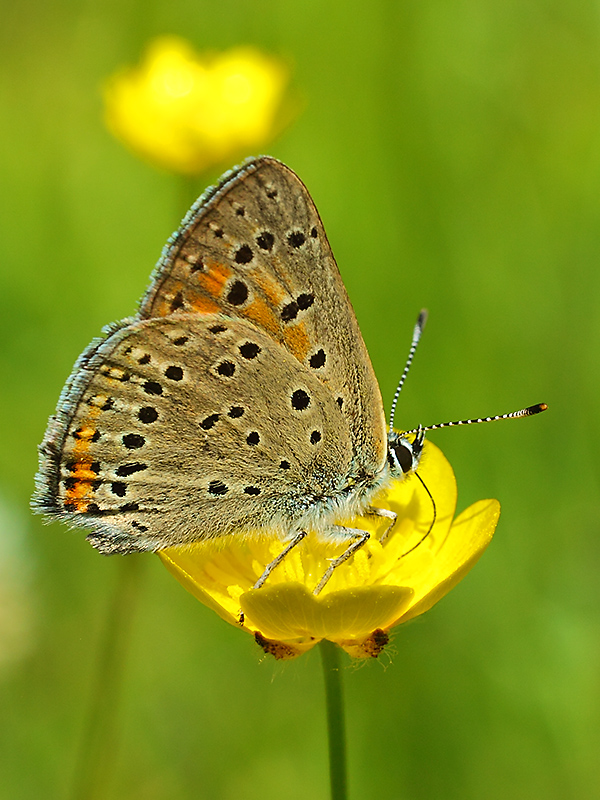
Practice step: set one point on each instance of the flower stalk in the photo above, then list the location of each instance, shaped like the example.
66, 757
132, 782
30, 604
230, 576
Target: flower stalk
98, 743
336, 725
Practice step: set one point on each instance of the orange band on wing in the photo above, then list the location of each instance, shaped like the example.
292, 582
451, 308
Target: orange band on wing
261, 313
272, 291
296, 340
202, 304
82, 471
81, 487
84, 435
215, 278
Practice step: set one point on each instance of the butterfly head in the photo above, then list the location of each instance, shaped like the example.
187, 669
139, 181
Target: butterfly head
404, 455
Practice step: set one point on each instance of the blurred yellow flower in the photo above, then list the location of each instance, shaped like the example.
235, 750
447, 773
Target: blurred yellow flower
188, 112
378, 588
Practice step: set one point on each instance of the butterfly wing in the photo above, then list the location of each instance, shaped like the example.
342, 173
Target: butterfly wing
242, 392
176, 413
255, 248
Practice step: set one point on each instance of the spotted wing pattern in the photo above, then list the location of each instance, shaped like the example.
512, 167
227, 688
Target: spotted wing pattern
255, 248
239, 398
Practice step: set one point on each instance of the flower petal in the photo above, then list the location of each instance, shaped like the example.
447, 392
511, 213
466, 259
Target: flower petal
188, 112
289, 611
379, 587
469, 536
187, 576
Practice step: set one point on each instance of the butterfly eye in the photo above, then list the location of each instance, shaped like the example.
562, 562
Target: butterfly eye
404, 457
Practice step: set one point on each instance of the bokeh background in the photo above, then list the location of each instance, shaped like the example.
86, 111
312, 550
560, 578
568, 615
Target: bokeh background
453, 149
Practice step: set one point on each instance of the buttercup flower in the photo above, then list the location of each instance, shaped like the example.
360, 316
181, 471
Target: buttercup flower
378, 588
187, 112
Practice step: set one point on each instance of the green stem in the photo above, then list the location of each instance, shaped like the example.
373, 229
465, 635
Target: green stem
98, 744
336, 728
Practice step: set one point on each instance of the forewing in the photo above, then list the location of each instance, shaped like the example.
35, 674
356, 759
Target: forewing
255, 248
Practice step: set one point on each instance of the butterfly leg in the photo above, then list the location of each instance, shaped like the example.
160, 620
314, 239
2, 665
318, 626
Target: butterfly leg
384, 512
271, 565
360, 536
276, 561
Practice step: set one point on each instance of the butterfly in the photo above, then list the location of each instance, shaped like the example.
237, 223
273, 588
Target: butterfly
239, 400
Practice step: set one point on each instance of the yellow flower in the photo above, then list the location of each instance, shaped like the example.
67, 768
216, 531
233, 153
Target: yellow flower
187, 112
378, 588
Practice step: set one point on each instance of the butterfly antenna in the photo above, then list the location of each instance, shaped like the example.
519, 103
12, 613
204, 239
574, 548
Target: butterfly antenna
420, 324
530, 411
524, 412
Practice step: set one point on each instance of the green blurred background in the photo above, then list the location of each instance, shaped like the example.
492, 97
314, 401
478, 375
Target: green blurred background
453, 149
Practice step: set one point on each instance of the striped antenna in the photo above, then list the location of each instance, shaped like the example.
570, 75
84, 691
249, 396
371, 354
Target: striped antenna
420, 324
524, 412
